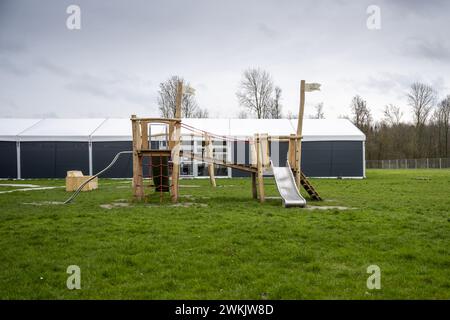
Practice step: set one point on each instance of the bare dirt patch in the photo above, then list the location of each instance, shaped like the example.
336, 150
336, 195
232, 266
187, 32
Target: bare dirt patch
44, 203
309, 207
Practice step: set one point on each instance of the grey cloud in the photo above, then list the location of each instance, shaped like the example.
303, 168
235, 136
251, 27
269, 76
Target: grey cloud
52, 68
81, 86
267, 31
8, 66
11, 47
427, 49
125, 49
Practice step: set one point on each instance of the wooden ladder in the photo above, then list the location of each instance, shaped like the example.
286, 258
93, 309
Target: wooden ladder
309, 188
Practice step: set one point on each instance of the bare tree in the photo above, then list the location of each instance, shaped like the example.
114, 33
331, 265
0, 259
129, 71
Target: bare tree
275, 106
242, 114
319, 114
201, 113
255, 92
421, 98
167, 94
361, 113
442, 118
392, 115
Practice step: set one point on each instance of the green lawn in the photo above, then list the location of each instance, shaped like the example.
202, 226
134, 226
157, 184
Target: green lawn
221, 244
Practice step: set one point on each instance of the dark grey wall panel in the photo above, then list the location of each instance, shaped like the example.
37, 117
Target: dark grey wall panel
240, 145
347, 159
317, 158
104, 152
53, 159
320, 158
8, 160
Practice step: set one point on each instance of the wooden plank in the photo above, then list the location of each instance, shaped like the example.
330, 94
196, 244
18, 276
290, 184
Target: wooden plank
178, 100
159, 120
138, 188
144, 131
209, 153
176, 165
176, 145
154, 152
254, 188
74, 182
265, 152
260, 169
291, 152
299, 133
187, 154
252, 146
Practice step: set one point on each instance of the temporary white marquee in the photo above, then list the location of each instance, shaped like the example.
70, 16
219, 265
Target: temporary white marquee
11, 128
336, 143
120, 129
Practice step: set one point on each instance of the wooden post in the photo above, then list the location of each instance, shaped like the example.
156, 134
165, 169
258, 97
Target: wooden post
176, 144
138, 187
298, 148
144, 130
171, 136
209, 154
259, 165
265, 152
252, 147
254, 188
291, 152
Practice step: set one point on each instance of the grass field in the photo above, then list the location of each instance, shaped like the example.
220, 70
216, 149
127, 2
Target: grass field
221, 244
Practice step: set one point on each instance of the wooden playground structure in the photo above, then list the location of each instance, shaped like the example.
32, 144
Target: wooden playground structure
164, 164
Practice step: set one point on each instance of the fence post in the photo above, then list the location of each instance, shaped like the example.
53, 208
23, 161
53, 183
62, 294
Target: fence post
440, 163
415, 161
428, 167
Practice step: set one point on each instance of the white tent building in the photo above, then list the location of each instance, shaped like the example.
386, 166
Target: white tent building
47, 148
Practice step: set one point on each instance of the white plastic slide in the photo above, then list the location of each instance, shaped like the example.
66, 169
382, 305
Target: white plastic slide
286, 187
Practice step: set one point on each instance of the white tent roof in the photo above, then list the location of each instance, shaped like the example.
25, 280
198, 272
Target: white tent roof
329, 130
273, 127
11, 128
113, 130
61, 130
120, 129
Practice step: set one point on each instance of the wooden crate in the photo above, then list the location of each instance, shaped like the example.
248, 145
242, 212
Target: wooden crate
74, 179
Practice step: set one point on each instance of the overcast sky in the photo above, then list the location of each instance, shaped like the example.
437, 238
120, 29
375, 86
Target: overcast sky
112, 66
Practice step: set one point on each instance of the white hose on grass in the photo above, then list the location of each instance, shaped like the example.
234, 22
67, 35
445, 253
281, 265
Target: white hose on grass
75, 194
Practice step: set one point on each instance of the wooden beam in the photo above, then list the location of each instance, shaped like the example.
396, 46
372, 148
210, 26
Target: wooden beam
176, 145
291, 152
144, 131
298, 149
154, 152
265, 151
157, 120
179, 100
259, 165
187, 154
210, 154
301, 110
138, 183
254, 188
252, 147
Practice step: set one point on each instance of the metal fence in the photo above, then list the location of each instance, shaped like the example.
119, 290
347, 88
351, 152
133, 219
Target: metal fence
426, 163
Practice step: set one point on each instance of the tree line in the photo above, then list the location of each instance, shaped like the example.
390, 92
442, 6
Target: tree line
427, 136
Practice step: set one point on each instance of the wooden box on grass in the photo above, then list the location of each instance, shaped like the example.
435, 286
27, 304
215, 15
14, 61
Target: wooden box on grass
74, 179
